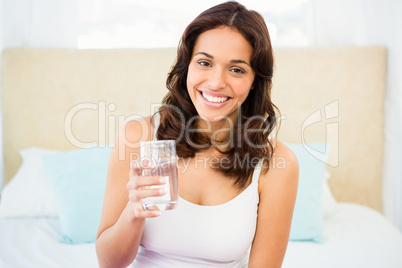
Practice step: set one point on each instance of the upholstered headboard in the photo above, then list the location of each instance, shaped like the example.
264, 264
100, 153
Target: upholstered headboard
62, 99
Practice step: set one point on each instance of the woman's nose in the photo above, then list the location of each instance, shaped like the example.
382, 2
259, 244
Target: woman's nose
217, 79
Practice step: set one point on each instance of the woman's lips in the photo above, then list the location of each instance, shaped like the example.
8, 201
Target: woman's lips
213, 99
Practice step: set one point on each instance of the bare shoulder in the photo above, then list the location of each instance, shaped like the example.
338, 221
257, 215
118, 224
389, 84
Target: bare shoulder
283, 168
136, 130
127, 146
283, 152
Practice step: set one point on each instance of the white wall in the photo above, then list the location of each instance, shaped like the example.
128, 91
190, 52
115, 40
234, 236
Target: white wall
1, 121
392, 179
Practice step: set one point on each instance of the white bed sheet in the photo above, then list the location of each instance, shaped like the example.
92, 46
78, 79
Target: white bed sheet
30, 242
356, 236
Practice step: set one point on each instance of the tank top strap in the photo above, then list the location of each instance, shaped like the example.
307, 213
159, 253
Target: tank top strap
257, 171
156, 121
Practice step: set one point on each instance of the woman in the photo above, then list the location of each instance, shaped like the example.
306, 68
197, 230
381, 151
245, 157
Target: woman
235, 206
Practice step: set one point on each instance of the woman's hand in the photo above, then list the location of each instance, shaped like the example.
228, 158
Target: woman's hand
139, 187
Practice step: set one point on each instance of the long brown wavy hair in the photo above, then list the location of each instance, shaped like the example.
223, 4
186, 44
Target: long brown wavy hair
256, 113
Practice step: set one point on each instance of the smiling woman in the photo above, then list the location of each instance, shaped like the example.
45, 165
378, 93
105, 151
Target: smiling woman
219, 93
241, 70
219, 74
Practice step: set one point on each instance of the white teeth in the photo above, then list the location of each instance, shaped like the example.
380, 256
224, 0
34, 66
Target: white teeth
214, 99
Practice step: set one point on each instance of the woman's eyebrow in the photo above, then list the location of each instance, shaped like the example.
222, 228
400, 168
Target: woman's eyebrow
240, 61
205, 54
232, 61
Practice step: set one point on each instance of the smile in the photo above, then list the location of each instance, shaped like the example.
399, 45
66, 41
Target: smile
214, 99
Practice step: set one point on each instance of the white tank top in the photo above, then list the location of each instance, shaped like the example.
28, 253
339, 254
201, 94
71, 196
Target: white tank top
192, 235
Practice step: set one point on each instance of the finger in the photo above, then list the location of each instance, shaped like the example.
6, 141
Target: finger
140, 212
137, 182
148, 214
138, 194
140, 181
139, 165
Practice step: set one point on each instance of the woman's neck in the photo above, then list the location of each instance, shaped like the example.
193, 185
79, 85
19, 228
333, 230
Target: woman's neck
221, 132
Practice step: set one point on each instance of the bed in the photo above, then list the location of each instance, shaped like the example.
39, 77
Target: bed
62, 108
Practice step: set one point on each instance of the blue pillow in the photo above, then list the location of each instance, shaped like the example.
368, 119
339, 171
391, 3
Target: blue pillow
79, 178
307, 216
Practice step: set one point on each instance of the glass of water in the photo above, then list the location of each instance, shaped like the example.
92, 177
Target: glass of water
158, 158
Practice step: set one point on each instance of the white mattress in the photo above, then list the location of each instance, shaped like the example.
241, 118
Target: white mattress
26, 242
356, 237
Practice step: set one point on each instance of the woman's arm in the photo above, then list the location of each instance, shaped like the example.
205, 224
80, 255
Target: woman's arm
277, 189
123, 220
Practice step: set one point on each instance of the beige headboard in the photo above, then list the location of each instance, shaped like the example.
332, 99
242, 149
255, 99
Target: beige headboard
62, 99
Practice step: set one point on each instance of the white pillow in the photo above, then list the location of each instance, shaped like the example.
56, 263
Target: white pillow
30, 192
329, 203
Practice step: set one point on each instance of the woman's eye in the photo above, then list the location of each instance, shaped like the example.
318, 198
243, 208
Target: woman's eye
238, 70
204, 63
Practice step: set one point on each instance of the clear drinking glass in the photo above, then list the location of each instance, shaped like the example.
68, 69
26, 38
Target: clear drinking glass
158, 158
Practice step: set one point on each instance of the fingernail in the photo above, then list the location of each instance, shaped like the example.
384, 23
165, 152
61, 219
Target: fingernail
163, 180
162, 191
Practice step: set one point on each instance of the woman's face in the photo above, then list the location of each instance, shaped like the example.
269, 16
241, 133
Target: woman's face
219, 74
